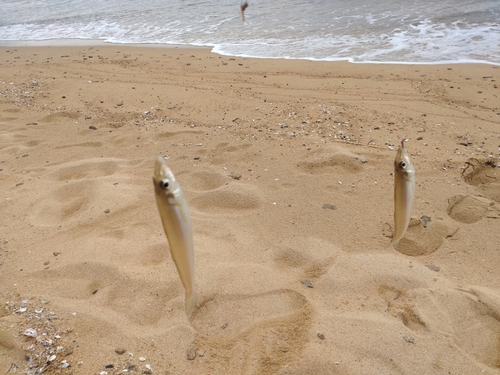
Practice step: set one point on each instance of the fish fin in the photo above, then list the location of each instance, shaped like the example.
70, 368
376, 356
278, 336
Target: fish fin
191, 303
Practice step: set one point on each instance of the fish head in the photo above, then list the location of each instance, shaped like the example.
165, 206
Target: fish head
164, 180
402, 164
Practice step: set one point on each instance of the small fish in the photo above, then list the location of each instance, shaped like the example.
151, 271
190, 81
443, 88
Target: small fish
177, 225
404, 193
243, 7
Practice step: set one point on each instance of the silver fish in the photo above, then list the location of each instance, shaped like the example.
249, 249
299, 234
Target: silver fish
177, 225
404, 193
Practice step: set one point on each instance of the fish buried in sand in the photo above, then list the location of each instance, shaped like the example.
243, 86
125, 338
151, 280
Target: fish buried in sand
404, 193
177, 225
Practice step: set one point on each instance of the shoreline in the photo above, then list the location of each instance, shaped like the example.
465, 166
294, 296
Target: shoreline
98, 43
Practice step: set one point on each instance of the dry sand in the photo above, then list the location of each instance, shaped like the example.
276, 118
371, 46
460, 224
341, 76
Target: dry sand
287, 170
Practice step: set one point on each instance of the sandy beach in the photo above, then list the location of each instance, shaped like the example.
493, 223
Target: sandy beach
287, 169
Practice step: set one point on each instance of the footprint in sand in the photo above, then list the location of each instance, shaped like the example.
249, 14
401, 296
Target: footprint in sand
100, 286
424, 235
229, 199
204, 180
64, 203
475, 317
15, 142
422, 307
87, 168
401, 305
310, 258
321, 367
83, 187
61, 116
9, 111
10, 346
154, 255
471, 318
468, 209
324, 162
83, 144
222, 149
260, 333
484, 174
491, 190
480, 171
219, 194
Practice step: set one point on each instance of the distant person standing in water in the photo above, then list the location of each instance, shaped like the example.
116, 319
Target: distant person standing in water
243, 7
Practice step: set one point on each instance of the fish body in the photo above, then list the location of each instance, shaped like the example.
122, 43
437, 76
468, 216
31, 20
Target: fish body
404, 193
177, 225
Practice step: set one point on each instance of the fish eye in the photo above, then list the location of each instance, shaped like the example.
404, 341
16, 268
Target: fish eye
402, 165
164, 184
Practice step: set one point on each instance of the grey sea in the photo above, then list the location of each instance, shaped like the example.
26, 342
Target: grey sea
377, 31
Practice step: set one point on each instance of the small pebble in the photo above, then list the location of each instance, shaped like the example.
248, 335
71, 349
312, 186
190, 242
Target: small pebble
409, 339
321, 336
425, 220
191, 354
433, 267
196, 158
235, 176
107, 211
142, 359
92, 127
307, 283
328, 206
120, 351
109, 366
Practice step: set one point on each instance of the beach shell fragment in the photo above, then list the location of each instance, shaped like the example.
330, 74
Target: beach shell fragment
30, 332
307, 283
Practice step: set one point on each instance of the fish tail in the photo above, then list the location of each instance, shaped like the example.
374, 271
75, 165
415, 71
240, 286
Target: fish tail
394, 243
191, 303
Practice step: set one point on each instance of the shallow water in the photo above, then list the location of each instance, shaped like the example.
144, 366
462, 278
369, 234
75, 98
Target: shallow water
400, 31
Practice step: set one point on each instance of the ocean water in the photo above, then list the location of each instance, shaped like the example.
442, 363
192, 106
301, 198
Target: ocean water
380, 31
